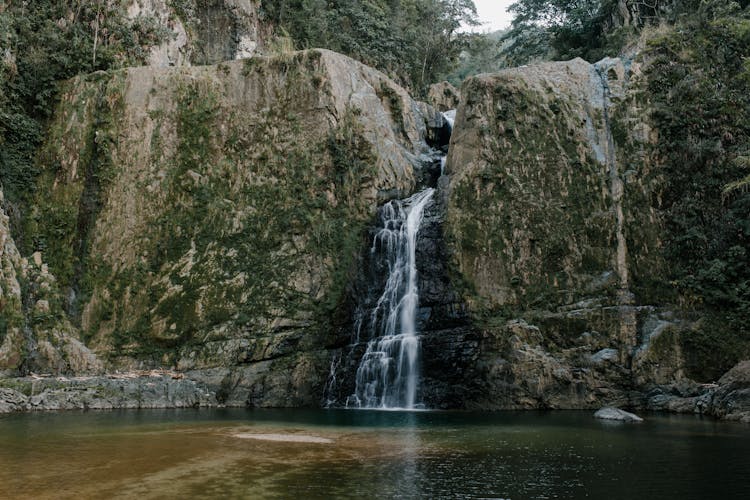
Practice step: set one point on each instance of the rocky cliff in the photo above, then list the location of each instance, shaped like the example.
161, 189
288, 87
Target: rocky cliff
208, 218
35, 334
199, 32
555, 229
213, 221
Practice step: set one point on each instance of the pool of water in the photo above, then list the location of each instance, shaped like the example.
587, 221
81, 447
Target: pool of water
369, 454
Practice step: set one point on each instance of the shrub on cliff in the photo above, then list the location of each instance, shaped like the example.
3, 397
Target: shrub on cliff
698, 81
41, 43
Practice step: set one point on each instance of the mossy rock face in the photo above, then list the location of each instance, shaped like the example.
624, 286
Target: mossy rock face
549, 224
581, 188
35, 334
12, 318
532, 217
229, 201
201, 32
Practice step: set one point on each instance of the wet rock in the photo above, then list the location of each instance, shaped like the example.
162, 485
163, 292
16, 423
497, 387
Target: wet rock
731, 400
11, 401
605, 356
610, 413
449, 367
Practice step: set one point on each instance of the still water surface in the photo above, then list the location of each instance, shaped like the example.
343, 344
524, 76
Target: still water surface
369, 454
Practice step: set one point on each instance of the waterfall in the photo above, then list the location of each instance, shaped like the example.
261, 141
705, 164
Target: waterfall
388, 373
450, 117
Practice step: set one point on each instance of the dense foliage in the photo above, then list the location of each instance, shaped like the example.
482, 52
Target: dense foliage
698, 81
414, 41
593, 29
41, 43
483, 53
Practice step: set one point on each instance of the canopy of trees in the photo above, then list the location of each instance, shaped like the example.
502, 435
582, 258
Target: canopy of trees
593, 29
414, 41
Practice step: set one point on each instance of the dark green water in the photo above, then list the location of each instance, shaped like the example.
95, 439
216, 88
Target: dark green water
369, 454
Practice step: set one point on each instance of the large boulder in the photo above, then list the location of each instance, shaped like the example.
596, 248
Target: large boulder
537, 210
610, 413
731, 400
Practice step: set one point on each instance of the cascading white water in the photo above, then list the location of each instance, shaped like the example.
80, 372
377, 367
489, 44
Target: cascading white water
450, 118
388, 374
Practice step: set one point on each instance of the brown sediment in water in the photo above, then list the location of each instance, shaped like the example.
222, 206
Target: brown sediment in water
185, 459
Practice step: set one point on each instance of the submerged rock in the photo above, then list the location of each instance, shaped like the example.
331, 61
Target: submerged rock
617, 414
284, 438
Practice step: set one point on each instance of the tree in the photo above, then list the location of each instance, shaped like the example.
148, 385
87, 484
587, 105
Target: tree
414, 41
41, 43
557, 29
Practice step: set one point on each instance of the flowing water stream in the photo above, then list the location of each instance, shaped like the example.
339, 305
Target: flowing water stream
388, 372
387, 375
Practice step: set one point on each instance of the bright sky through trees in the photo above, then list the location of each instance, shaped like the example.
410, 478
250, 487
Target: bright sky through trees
492, 14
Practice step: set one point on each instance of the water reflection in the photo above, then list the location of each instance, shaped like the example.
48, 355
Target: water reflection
369, 454
407, 474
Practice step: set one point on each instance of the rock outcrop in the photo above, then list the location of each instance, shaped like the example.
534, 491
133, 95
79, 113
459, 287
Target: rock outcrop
610, 413
731, 399
209, 218
443, 96
199, 32
133, 391
555, 241
35, 334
